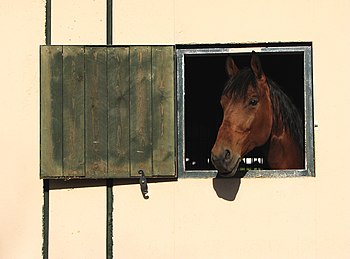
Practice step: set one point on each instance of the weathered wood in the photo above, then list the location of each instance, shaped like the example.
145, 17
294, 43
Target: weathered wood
107, 112
140, 111
51, 111
118, 112
73, 111
163, 111
95, 112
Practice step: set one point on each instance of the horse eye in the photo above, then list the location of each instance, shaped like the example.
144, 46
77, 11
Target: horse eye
253, 102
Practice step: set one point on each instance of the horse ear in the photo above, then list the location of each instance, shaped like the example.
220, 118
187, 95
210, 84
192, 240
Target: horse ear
231, 68
255, 65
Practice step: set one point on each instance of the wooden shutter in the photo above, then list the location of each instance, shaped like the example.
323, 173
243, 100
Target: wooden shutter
107, 112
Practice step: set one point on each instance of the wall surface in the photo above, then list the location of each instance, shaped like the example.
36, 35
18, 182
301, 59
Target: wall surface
189, 218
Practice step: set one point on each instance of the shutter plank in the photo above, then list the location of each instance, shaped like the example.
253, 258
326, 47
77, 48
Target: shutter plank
96, 112
73, 111
51, 111
118, 112
163, 111
140, 111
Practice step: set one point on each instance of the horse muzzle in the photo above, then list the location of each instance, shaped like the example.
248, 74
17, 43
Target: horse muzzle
225, 162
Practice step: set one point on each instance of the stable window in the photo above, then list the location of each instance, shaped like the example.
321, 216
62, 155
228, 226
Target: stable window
201, 79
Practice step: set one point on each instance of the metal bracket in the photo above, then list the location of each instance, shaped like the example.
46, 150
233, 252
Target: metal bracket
143, 184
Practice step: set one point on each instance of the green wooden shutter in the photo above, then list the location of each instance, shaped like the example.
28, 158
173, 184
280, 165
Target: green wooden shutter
107, 112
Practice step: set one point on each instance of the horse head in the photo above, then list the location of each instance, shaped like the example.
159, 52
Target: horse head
247, 119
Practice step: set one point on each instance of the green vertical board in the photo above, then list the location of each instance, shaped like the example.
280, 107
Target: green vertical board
118, 112
163, 111
96, 112
73, 111
140, 111
51, 111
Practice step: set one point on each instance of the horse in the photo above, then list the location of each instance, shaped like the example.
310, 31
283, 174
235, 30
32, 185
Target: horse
256, 113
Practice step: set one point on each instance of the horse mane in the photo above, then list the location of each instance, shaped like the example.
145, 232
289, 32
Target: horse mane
283, 107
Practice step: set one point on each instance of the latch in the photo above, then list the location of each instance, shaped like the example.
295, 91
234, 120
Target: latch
143, 184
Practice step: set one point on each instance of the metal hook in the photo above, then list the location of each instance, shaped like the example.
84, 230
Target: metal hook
143, 184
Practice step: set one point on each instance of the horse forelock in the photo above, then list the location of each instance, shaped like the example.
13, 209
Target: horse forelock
237, 87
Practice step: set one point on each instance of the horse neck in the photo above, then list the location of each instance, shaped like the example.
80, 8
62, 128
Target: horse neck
283, 152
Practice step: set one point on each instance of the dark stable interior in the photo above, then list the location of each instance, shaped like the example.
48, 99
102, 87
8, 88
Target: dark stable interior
205, 78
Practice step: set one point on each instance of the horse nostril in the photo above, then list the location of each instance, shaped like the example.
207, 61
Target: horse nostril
227, 155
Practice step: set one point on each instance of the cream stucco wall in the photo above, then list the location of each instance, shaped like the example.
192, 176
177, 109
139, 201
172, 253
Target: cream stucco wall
270, 218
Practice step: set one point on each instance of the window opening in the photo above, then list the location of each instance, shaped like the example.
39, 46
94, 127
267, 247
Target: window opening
201, 78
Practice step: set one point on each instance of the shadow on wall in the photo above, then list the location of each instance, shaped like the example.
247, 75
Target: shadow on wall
226, 188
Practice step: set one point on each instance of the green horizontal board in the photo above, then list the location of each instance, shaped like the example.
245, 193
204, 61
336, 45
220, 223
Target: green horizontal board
51, 112
73, 111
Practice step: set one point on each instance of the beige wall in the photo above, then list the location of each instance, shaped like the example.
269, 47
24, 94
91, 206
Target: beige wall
270, 218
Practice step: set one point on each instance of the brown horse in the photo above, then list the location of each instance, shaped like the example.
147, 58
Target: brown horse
257, 113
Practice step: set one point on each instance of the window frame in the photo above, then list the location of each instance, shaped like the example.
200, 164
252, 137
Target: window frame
305, 48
